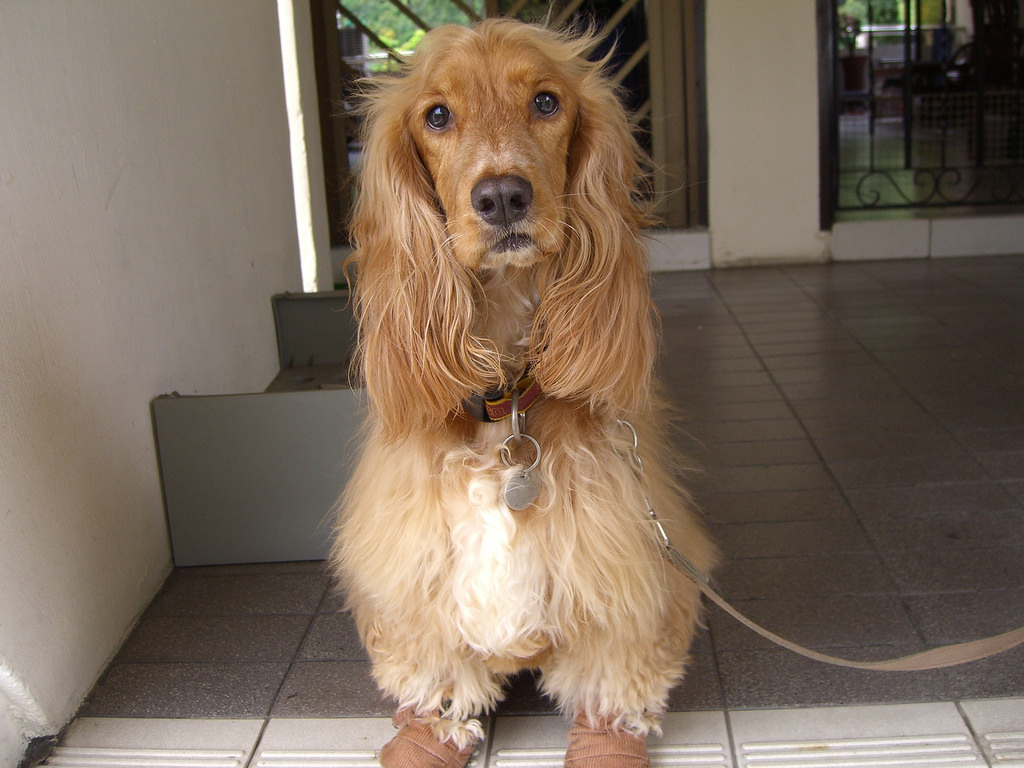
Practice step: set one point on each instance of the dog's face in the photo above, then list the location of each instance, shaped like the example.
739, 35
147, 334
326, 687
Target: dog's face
500, 145
493, 127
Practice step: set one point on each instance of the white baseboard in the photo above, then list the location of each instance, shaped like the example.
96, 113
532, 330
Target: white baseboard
928, 238
671, 250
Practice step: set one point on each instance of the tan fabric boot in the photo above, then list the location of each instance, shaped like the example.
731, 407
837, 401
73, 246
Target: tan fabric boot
601, 747
416, 746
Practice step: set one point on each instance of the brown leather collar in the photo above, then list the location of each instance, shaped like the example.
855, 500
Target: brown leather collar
497, 405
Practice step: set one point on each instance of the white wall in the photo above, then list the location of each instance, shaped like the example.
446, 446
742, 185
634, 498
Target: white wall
146, 217
762, 98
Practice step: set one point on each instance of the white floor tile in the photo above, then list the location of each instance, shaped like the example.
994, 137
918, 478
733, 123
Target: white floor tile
902, 735
350, 742
999, 726
692, 739
145, 743
891, 736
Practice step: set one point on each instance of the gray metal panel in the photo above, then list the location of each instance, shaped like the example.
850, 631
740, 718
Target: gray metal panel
253, 478
314, 329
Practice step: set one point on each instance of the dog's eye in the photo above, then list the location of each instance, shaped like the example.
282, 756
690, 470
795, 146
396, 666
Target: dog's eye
545, 103
438, 116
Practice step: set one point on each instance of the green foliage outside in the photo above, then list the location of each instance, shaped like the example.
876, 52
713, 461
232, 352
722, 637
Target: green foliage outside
852, 19
396, 29
891, 11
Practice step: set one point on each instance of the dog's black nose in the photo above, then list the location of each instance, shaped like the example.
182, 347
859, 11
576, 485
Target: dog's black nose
503, 200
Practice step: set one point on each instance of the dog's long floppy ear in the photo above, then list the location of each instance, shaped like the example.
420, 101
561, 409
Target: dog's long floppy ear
594, 338
415, 303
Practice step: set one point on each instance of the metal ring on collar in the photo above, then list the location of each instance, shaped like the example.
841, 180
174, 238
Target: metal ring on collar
518, 419
506, 453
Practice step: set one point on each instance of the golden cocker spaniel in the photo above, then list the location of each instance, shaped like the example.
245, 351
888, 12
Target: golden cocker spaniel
499, 518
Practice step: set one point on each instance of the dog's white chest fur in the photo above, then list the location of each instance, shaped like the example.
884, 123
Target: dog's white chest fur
499, 579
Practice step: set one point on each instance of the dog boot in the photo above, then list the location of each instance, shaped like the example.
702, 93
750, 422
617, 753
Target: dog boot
602, 747
416, 746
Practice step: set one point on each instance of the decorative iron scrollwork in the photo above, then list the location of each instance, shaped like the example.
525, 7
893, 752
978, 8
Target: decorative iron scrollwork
933, 187
940, 121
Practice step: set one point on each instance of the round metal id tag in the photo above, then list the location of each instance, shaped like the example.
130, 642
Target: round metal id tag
521, 490
523, 487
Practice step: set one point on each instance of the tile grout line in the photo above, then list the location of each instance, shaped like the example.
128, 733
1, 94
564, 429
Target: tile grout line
824, 464
730, 735
258, 741
928, 312
893, 289
809, 437
918, 630
978, 740
886, 569
284, 679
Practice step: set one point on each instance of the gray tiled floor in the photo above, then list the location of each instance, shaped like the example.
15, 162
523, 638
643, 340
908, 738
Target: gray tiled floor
861, 433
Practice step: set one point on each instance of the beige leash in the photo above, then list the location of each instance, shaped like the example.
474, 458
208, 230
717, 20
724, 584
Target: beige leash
936, 658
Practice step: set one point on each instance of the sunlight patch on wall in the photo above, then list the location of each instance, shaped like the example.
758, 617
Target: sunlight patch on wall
297, 133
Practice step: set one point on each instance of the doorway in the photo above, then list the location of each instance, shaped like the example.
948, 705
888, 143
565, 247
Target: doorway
658, 61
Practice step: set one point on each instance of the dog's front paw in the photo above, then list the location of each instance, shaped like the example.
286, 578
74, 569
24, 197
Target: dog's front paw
598, 745
417, 744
